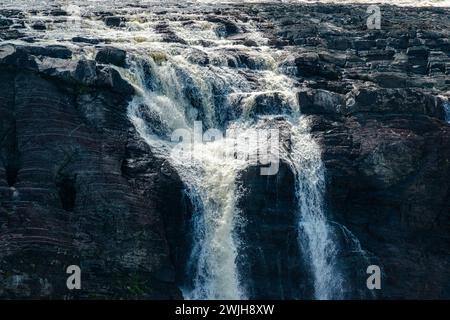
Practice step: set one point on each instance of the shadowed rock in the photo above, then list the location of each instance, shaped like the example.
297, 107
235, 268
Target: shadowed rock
111, 56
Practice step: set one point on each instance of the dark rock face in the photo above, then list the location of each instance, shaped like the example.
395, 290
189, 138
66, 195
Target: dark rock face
113, 56
269, 259
66, 194
40, 25
161, 185
85, 40
385, 144
113, 21
388, 183
167, 34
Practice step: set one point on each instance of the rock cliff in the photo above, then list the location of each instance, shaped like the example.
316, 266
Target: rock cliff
79, 186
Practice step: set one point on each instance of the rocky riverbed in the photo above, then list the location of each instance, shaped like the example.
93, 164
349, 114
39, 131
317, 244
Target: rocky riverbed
78, 185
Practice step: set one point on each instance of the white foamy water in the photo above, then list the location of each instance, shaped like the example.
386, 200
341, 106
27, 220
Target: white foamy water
119, 3
407, 3
315, 234
209, 170
211, 178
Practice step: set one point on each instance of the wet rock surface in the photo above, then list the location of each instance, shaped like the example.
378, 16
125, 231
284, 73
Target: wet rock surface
112, 56
79, 186
270, 260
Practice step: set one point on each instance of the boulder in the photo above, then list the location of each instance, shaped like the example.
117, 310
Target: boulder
389, 79
269, 103
309, 64
58, 13
226, 27
319, 101
39, 25
385, 101
5, 23
113, 21
86, 72
110, 55
53, 51
85, 40
110, 78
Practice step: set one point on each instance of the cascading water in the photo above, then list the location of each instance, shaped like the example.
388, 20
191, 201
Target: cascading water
315, 234
188, 72
210, 183
447, 111
210, 178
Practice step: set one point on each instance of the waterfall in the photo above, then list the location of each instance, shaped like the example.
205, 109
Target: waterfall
174, 91
315, 233
211, 179
447, 111
210, 182
185, 89
206, 167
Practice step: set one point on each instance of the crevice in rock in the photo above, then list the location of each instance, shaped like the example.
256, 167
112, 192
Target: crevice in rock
66, 182
12, 156
67, 191
177, 210
9, 149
